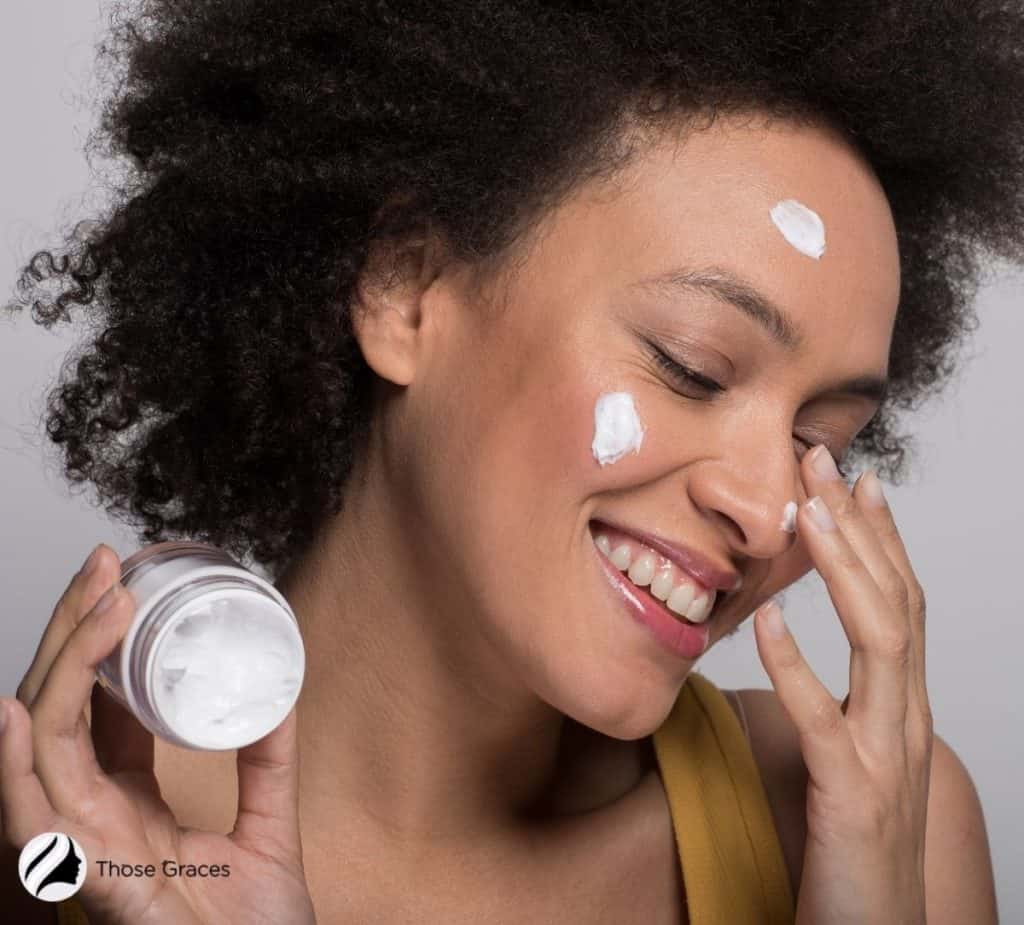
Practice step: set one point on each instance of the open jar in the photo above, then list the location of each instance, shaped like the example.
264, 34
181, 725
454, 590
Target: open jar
213, 659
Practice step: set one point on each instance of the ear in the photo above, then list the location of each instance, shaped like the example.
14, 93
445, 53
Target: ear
389, 312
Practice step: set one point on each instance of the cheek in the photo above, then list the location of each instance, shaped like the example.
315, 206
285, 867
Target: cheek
785, 569
561, 435
548, 428
513, 457
597, 438
634, 438
542, 421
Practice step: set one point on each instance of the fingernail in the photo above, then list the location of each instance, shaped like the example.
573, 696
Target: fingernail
822, 463
108, 600
789, 517
872, 491
771, 616
820, 514
90, 564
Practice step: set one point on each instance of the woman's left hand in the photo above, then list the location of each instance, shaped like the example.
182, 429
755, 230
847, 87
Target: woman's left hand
868, 764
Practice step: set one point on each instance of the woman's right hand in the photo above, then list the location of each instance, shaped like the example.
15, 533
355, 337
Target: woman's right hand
96, 783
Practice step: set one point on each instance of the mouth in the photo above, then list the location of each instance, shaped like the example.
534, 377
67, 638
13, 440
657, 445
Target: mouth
678, 581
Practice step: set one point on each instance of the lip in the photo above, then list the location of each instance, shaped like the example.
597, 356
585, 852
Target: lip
689, 560
684, 640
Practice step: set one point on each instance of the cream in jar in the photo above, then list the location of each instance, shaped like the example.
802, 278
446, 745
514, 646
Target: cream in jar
214, 658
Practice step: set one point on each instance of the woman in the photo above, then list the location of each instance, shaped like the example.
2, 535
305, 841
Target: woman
468, 322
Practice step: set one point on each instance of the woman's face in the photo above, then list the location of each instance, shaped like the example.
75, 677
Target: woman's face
500, 485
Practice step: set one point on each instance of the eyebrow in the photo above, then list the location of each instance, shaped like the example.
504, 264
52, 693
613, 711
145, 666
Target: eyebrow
737, 292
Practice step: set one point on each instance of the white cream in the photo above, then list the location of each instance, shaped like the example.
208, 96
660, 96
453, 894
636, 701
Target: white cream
617, 427
802, 227
227, 672
214, 657
789, 517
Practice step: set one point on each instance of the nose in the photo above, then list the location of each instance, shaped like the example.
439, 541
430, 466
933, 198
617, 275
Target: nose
746, 497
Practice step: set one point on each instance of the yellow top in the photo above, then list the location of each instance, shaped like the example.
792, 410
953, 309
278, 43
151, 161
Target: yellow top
734, 871
733, 868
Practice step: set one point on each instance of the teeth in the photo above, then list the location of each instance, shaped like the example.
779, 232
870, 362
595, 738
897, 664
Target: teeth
700, 608
645, 569
621, 557
661, 587
680, 599
642, 570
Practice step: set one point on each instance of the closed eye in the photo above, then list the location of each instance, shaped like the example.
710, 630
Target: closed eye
683, 375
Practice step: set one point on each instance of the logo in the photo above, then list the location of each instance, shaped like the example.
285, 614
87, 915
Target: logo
52, 866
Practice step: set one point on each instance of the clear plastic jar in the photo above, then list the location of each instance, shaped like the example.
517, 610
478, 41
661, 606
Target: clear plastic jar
213, 659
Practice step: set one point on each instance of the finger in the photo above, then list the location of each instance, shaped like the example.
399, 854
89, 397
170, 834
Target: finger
871, 498
121, 742
879, 637
98, 573
268, 793
879, 631
124, 750
24, 806
823, 478
64, 756
828, 749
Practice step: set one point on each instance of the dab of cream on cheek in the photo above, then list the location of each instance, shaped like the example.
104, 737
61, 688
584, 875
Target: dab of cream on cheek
617, 427
802, 227
226, 671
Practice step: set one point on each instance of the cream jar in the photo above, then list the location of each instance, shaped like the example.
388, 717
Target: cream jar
213, 659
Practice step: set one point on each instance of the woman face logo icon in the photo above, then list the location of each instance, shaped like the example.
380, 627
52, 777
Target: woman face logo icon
52, 866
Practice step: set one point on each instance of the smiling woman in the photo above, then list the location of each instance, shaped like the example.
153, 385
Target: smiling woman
520, 343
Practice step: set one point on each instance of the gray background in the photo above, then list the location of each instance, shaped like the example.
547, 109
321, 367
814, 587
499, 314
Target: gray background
960, 511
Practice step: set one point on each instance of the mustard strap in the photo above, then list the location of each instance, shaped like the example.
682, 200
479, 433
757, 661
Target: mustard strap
734, 871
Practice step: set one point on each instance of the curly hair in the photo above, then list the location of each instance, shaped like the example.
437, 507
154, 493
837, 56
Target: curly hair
270, 143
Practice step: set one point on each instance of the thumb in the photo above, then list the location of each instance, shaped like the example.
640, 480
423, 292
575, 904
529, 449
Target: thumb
268, 794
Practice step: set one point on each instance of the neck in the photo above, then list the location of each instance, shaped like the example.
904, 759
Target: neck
410, 720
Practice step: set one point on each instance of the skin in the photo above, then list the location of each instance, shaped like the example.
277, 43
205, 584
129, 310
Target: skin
473, 710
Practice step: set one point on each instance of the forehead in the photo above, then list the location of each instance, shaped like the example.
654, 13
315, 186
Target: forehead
704, 198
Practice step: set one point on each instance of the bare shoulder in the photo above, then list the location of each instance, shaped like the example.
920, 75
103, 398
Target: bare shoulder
959, 881
958, 875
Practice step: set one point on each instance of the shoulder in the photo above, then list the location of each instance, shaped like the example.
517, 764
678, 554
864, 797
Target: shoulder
959, 880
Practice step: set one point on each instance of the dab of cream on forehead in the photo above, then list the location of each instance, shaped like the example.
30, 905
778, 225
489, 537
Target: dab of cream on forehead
801, 226
617, 427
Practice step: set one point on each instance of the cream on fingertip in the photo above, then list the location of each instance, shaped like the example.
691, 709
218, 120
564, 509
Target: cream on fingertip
789, 517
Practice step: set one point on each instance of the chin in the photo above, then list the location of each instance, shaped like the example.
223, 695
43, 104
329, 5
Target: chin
618, 701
